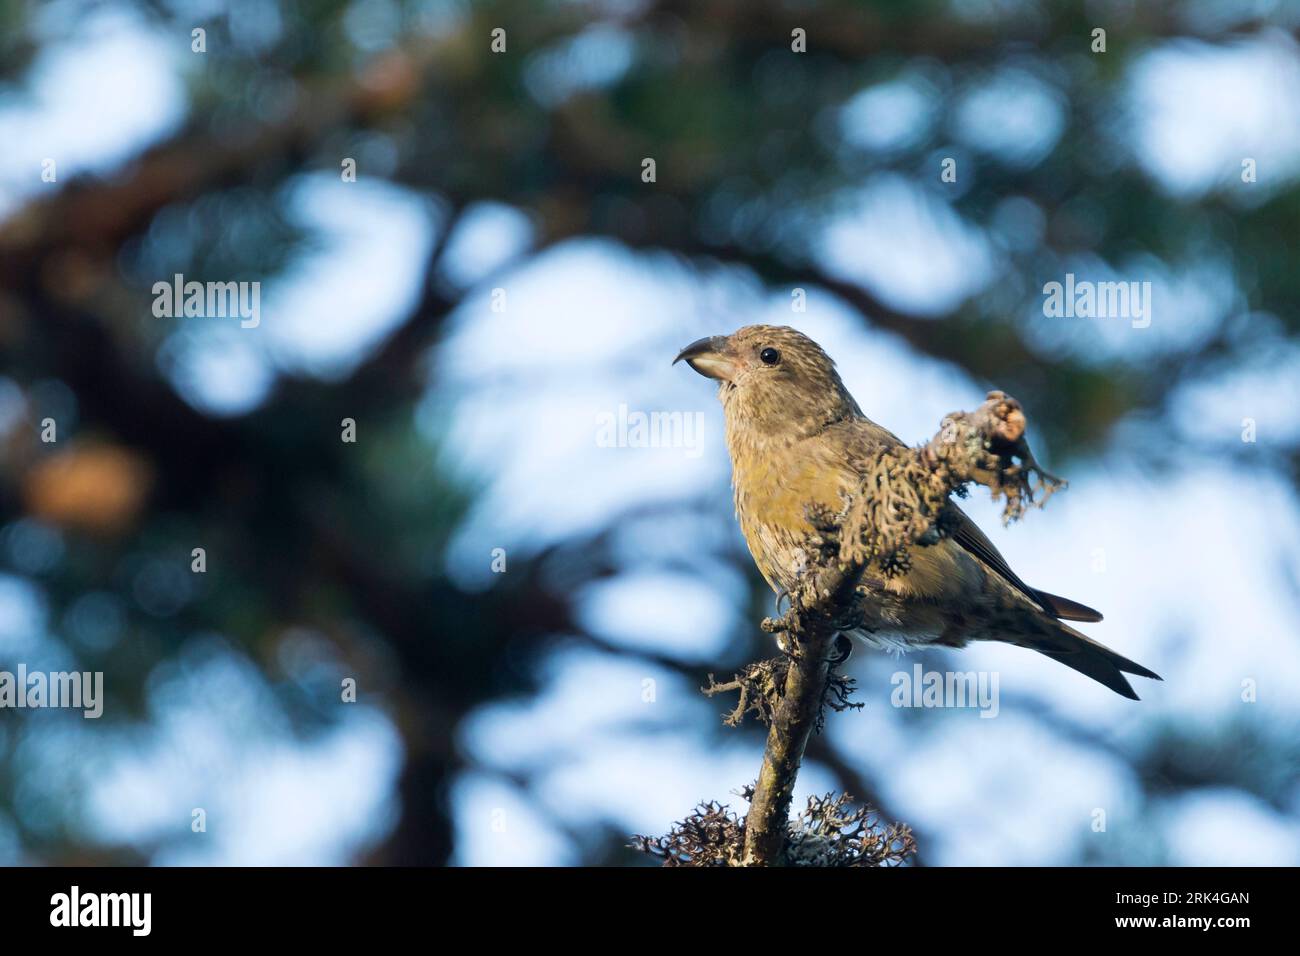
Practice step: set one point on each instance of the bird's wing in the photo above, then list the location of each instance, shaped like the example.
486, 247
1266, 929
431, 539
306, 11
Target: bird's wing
976, 542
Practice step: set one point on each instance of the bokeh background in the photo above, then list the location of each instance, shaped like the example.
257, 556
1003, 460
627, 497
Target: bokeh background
543, 714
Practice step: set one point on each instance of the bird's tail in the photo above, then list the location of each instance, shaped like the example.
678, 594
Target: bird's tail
1063, 643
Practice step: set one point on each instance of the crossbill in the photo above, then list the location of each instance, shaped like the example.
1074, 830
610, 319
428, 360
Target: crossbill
797, 441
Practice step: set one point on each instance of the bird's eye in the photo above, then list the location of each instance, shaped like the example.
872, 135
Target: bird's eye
770, 356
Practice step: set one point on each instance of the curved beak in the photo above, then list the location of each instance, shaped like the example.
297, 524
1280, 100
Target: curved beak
711, 357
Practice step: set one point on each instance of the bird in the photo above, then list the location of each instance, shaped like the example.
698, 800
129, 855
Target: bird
798, 442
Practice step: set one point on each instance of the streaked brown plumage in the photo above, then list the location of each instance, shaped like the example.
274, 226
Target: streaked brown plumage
797, 438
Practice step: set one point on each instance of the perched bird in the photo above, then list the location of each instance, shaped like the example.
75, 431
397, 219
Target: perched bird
797, 439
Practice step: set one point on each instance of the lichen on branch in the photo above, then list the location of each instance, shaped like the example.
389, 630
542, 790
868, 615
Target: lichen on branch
903, 500
762, 684
829, 831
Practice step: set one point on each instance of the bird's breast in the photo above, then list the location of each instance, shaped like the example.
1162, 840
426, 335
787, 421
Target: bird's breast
774, 489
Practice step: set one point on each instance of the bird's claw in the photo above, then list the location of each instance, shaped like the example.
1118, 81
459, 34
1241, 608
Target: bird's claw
842, 650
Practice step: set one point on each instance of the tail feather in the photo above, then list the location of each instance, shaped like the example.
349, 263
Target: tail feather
1066, 609
1088, 657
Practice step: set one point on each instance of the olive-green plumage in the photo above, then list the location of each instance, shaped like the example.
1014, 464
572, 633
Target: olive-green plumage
797, 438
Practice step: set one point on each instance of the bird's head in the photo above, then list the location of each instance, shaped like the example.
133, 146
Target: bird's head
772, 379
